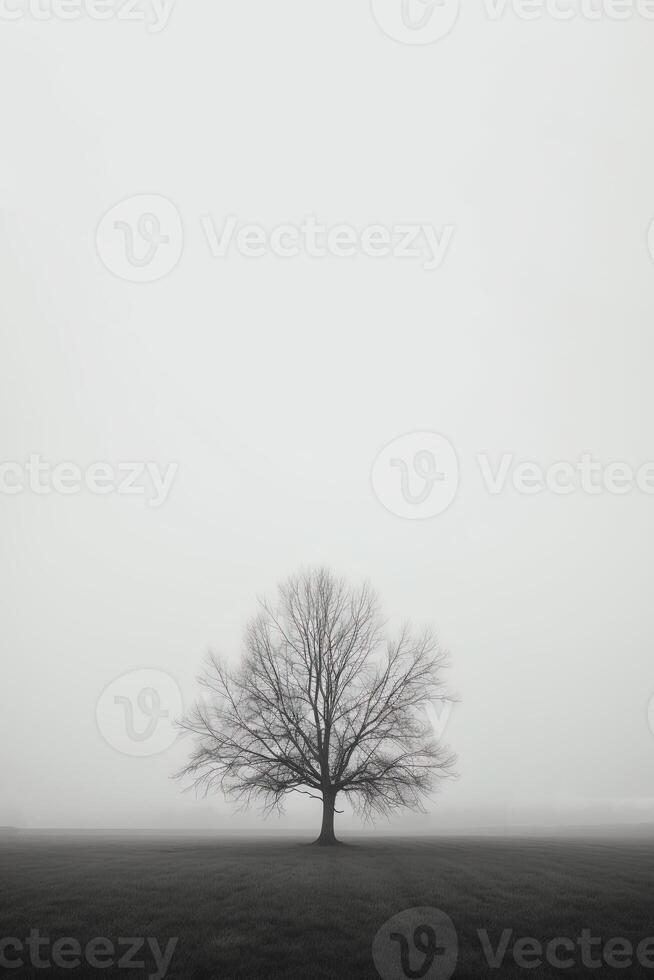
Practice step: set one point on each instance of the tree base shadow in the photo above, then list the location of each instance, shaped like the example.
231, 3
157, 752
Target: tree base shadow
327, 843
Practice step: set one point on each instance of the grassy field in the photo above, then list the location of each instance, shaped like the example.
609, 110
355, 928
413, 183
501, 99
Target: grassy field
262, 909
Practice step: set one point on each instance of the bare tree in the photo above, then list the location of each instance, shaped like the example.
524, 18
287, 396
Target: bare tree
321, 704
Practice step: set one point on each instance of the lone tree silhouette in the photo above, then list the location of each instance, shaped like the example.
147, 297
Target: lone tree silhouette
321, 704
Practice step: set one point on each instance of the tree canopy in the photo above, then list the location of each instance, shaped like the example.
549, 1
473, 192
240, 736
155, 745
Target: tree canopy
322, 703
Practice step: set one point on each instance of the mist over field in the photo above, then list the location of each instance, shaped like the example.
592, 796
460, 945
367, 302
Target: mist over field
273, 384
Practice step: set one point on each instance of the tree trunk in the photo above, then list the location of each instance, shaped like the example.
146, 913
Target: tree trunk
327, 836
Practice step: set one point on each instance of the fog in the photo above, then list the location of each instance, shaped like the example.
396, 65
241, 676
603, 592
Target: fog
272, 384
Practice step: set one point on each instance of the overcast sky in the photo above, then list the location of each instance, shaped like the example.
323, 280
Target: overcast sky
272, 384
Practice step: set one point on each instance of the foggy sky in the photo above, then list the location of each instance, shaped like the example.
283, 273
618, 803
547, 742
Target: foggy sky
274, 384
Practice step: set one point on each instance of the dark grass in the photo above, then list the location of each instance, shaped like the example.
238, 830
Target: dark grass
252, 909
